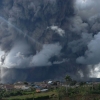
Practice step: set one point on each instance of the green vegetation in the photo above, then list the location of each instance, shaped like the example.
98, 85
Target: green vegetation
61, 93
13, 93
81, 92
29, 96
68, 79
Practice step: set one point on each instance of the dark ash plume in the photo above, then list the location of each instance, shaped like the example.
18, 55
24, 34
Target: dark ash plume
39, 35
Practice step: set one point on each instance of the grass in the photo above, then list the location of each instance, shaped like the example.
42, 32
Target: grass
79, 93
31, 95
77, 97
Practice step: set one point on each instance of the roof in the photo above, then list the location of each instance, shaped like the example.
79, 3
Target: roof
43, 90
9, 86
49, 82
25, 87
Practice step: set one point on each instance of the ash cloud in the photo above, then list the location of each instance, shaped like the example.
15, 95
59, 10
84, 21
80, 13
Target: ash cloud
91, 20
92, 54
17, 57
48, 51
73, 34
88, 16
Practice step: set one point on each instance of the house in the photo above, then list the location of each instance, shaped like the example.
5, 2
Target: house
43, 85
38, 90
50, 82
44, 90
19, 85
9, 87
26, 88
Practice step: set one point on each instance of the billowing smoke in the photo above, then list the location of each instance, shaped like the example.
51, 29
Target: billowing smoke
49, 36
48, 51
87, 21
91, 55
20, 56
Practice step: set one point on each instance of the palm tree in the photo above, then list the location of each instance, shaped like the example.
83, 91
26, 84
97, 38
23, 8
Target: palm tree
68, 80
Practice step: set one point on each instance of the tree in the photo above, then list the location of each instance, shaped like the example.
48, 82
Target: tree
73, 82
82, 83
68, 80
0, 96
61, 93
26, 83
84, 91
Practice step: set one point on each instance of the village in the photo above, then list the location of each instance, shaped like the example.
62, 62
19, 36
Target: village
44, 89
48, 90
38, 86
42, 86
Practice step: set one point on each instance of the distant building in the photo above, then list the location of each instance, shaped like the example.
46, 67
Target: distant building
38, 90
1, 86
9, 87
19, 85
50, 82
44, 90
25, 88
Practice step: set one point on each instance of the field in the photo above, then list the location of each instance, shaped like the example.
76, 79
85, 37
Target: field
78, 97
32, 95
76, 93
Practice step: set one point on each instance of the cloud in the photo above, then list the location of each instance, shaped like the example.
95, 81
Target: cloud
60, 62
17, 58
19, 55
79, 44
94, 71
58, 30
87, 9
27, 20
81, 73
48, 51
92, 54
78, 25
